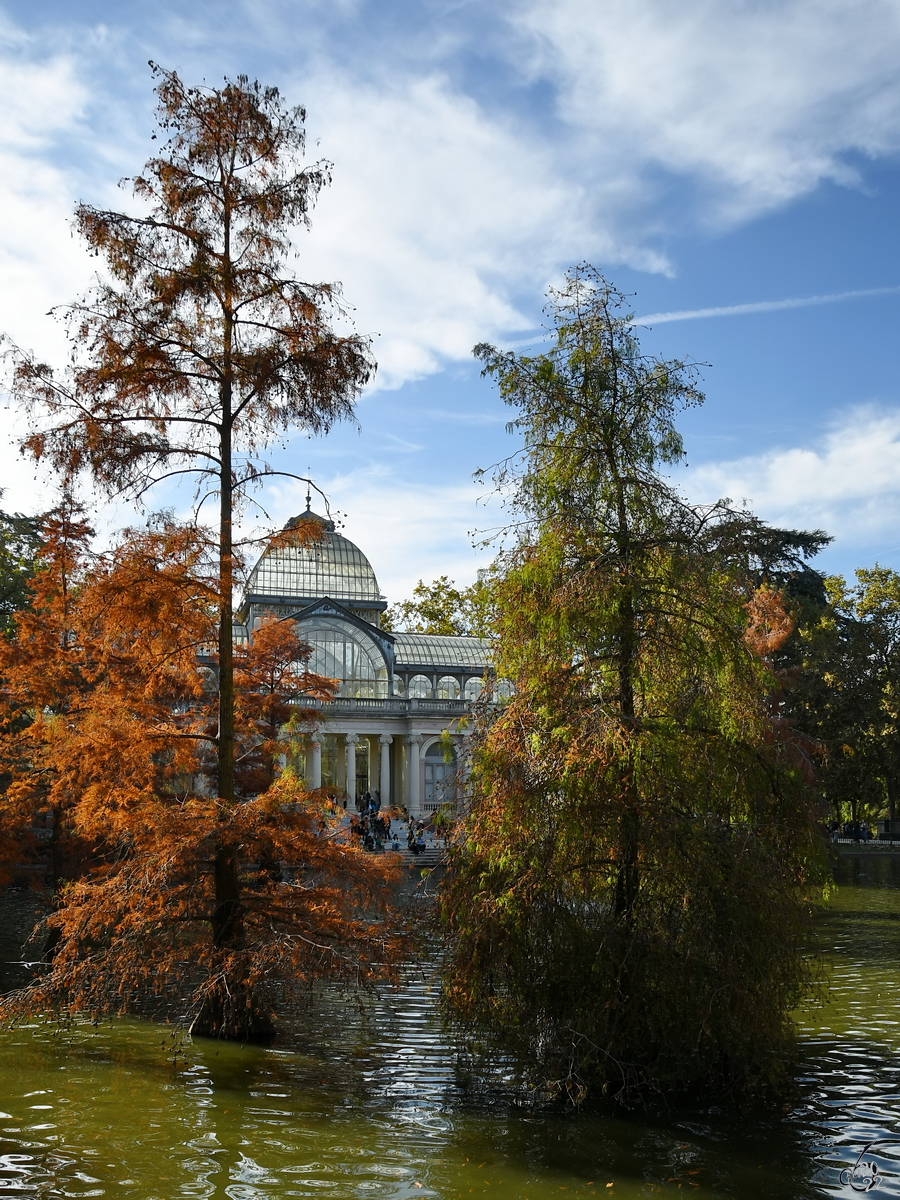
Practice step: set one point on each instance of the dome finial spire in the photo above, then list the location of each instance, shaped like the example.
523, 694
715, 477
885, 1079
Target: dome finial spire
308, 490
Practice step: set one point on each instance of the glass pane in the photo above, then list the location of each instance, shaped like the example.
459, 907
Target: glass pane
473, 688
334, 567
338, 654
424, 649
448, 688
437, 752
419, 687
440, 781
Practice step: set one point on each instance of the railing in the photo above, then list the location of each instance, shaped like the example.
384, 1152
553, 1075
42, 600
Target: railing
435, 806
365, 704
392, 705
883, 839
456, 706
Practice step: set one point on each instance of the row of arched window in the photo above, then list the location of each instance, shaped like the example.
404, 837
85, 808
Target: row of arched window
421, 687
342, 652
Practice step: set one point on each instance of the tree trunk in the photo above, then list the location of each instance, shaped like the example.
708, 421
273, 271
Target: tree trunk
56, 879
892, 799
232, 1008
628, 875
227, 921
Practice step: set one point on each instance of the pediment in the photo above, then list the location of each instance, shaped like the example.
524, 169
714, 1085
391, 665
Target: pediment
326, 607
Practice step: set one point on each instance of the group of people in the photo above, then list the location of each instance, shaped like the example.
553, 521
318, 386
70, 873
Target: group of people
372, 829
376, 832
858, 831
415, 837
369, 802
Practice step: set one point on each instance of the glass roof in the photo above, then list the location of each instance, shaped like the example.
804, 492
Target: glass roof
332, 566
434, 650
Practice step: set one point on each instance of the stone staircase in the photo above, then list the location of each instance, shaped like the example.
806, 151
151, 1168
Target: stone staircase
428, 858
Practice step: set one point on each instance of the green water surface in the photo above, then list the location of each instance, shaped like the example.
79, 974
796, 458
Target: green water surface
377, 1105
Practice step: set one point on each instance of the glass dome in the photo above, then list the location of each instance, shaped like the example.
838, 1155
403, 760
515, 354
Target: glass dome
320, 562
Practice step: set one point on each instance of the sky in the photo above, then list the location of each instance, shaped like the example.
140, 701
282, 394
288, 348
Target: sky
733, 164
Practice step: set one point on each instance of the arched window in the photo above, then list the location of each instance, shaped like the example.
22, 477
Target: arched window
503, 689
419, 688
399, 686
473, 688
448, 688
340, 652
439, 776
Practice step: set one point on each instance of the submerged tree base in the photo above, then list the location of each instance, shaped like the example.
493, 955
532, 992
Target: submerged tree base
234, 1011
628, 907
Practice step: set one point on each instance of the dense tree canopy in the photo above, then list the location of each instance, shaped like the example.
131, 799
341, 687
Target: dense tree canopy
107, 711
19, 542
847, 695
628, 903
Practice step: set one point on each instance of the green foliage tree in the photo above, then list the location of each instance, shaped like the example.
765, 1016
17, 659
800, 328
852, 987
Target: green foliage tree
848, 693
628, 904
198, 348
19, 543
440, 607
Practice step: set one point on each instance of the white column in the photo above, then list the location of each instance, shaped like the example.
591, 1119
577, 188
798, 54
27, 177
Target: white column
315, 766
351, 740
384, 779
414, 741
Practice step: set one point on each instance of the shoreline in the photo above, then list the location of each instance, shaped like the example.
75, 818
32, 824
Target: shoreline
848, 847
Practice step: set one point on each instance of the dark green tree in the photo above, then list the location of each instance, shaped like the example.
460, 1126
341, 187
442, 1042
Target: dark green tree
628, 906
847, 695
19, 543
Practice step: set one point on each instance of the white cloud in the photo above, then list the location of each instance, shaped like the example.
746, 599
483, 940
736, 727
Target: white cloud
758, 101
447, 209
438, 214
450, 205
848, 483
463, 418
761, 306
41, 105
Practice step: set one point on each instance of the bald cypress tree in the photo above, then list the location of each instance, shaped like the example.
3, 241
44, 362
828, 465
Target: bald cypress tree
105, 719
198, 347
628, 906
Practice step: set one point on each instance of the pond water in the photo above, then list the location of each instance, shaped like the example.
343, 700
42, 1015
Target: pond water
375, 1107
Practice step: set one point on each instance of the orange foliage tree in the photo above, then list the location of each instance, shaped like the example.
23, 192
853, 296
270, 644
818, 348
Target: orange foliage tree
108, 723
270, 682
197, 349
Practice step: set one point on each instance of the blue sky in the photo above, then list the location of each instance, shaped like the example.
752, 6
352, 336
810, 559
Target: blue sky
709, 155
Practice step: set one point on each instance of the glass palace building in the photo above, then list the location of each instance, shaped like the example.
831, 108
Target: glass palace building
398, 693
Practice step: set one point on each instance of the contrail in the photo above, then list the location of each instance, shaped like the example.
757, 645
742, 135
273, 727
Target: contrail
737, 310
